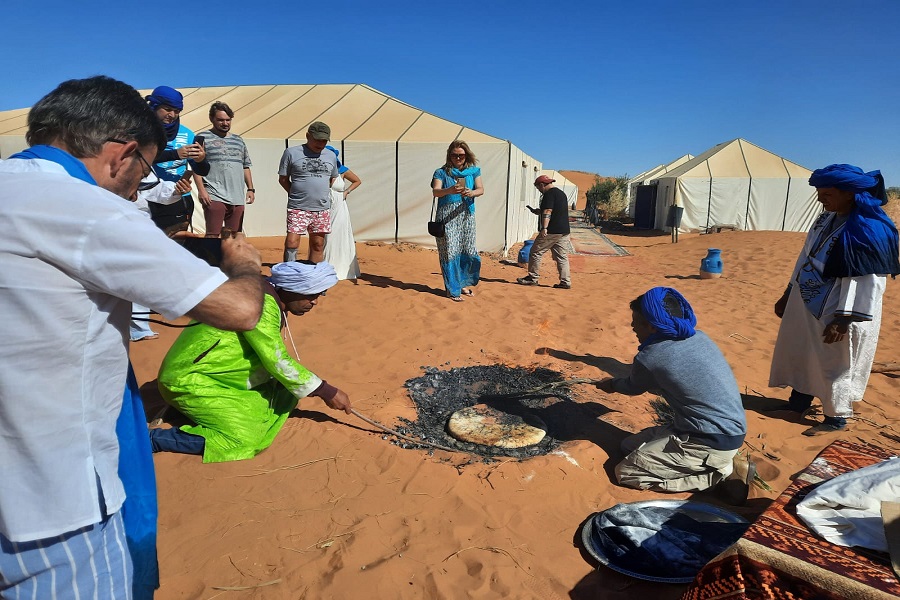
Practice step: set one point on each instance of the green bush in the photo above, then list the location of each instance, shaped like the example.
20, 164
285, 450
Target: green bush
608, 195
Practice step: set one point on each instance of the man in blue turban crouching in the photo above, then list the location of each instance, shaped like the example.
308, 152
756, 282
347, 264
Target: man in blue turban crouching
831, 310
696, 450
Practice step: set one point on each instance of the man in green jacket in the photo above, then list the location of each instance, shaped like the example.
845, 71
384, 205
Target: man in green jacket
239, 388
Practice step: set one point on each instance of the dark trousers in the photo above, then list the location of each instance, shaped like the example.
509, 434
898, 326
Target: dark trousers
176, 440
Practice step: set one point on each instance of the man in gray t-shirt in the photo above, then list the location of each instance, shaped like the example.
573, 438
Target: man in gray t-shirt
221, 191
306, 173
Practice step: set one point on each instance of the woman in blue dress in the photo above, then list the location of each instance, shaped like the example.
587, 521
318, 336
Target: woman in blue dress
455, 186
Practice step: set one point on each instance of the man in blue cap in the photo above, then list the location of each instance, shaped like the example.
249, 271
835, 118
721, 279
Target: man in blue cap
172, 163
696, 450
831, 310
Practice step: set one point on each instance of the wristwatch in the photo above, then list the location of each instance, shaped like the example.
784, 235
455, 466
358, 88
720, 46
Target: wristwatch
251, 190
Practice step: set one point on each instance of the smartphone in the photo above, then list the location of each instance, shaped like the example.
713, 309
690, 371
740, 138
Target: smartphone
198, 140
461, 181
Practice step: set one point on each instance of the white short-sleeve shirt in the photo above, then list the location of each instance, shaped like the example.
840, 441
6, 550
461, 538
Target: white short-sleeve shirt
73, 258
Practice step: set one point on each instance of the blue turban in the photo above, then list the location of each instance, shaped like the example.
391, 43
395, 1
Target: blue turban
303, 278
869, 243
668, 326
166, 96
341, 168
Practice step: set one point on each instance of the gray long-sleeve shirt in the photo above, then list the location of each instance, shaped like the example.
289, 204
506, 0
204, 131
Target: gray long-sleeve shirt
697, 382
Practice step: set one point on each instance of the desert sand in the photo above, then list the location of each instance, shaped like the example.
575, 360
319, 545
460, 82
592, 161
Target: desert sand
334, 510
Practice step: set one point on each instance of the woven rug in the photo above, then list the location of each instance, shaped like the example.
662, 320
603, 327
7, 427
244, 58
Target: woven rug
780, 558
588, 240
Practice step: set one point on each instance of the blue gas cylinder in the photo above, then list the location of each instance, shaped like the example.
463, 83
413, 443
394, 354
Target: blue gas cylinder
525, 252
711, 265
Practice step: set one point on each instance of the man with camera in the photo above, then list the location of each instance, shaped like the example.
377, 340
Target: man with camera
182, 149
221, 192
75, 256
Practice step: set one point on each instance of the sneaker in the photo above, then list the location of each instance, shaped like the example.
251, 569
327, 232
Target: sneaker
526, 281
563, 286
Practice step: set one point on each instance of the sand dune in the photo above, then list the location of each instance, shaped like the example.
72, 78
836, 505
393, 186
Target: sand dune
334, 510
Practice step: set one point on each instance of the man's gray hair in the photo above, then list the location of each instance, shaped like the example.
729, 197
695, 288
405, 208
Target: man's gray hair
83, 114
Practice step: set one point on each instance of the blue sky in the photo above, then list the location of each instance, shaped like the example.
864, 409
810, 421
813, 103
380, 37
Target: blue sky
609, 87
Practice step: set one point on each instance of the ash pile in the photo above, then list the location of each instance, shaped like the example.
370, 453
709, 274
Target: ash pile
515, 391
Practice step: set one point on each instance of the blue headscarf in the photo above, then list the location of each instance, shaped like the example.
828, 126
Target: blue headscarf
341, 168
869, 242
668, 326
166, 96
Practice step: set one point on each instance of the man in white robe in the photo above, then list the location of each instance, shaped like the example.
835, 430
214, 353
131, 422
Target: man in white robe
831, 309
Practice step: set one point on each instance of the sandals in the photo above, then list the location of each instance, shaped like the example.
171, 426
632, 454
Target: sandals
456, 298
468, 292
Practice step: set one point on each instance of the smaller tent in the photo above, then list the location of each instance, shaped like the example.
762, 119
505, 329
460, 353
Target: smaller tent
569, 188
737, 184
645, 177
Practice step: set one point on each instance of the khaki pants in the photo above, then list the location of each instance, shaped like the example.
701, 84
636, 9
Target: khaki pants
660, 460
558, 244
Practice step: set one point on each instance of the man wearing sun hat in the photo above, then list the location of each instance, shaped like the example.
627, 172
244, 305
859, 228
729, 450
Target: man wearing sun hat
306, 173
553, 234
239, 388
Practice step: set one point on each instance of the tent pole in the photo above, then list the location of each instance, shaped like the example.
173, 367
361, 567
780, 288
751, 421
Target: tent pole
709, 200
506, 220
396, 191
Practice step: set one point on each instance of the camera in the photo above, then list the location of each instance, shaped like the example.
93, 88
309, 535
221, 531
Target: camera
208, 249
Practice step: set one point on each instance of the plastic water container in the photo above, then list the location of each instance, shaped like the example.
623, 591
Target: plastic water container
525, 252
711, 265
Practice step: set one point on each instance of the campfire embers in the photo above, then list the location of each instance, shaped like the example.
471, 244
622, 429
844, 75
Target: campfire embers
507, 393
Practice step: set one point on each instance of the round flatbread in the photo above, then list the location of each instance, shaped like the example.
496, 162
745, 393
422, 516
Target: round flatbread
481, 424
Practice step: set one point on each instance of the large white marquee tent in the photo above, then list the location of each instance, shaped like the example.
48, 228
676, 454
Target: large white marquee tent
392, 146
738, 184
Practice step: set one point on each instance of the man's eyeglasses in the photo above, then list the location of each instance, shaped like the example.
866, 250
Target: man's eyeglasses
143, 186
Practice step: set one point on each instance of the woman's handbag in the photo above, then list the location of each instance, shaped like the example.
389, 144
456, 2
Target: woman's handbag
435, 228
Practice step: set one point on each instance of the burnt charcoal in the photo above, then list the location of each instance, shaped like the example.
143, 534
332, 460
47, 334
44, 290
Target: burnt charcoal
438, 394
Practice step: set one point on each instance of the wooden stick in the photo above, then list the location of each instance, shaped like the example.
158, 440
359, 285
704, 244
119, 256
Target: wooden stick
400, 435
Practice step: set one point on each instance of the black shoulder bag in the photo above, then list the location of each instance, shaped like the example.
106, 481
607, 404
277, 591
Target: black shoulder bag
435, 228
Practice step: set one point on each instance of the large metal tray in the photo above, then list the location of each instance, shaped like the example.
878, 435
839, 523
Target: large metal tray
699, 511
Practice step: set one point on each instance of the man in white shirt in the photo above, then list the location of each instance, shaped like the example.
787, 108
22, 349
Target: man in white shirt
73, 258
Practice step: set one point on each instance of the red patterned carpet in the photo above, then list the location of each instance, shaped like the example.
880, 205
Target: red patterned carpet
780, 558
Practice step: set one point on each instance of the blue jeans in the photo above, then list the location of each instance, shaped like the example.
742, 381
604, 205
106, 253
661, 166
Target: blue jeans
176, 440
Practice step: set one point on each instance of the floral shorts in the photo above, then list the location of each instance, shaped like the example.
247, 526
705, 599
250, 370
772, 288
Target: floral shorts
301, 221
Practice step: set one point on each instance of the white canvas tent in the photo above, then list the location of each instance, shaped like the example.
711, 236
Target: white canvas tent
569, 188
740, 184
648, 175
392, 146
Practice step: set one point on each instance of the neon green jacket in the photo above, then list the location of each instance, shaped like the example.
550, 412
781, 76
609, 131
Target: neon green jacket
239, 388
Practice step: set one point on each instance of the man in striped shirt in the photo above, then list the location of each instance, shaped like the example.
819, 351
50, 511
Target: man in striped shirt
221, 192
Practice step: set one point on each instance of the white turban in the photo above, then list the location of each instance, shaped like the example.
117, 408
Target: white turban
303, 278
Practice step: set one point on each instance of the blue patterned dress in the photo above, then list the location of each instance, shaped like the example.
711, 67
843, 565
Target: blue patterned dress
460, 263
